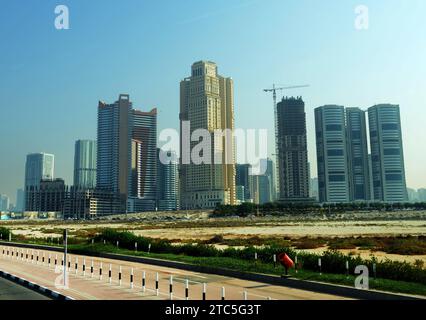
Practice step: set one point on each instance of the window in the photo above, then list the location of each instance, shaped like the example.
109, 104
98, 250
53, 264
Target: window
394, 177
336, 178
392, 152
356, 134
390, 126
334, 127
335, 152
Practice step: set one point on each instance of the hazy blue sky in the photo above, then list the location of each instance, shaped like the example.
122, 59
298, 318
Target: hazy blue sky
51, 81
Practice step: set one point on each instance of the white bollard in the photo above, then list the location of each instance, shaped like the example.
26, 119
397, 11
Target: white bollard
245, 295
131, 278
171, 287
76, 266
204, 291
100, 272
110, 273
84, 267
223, 293
186, 289
157, 289
143, 282
91, 269
119, 277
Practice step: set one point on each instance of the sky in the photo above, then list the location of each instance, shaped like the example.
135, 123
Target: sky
51, 80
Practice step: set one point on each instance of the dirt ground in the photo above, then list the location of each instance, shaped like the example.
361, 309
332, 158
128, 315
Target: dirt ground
199, 226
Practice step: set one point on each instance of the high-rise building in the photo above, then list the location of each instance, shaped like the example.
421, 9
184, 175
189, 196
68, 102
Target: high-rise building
49, 196
267, 167
85, 164
413, 195
359, 171
313, 189
261, 186
240, 194
4, 202
38, 166
126, 156
144, 158
422, 194
243, 176
387, 154
333, 173
114, 146
167, 181
293, 167
207, 102
20, 200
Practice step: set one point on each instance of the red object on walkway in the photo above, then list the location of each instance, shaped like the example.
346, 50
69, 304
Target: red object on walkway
285, 260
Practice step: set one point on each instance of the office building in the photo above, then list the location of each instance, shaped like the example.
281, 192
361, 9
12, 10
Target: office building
20, 200
293, 169
240, 194
126, 153
48, 196
144, 160
267, 167
358, 163
167, 181
261, 186
207, 102
4, 202
333, 173
243, 176
413, 195
38, 166
313, 189
387, 154
83, 204
85, 164
422, 194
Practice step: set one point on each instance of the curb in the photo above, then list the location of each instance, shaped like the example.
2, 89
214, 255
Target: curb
35, 287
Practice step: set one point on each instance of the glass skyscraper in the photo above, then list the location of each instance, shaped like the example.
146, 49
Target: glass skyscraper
85, 164
359, 172
387, 154
126, 153
332, 155
38, 166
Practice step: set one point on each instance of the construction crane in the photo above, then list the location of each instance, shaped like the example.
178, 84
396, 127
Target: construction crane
274, 95
275, 89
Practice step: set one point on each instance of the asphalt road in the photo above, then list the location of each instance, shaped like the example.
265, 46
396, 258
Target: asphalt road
12, 291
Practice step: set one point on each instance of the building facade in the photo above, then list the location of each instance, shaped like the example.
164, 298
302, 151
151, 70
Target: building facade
293, 175
387, 154
85, 164
167, 181
359, 171
4, 202
333, 173
49, 196
207, 102
126, 153
38, 166
242, 179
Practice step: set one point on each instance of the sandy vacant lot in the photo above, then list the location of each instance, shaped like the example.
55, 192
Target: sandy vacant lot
186, 226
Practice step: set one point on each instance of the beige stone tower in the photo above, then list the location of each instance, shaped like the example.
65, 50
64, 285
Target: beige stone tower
207, 102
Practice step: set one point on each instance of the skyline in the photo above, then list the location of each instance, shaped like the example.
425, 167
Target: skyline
58, 79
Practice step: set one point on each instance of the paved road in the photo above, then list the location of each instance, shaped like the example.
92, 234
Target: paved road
12, 291
90, 286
